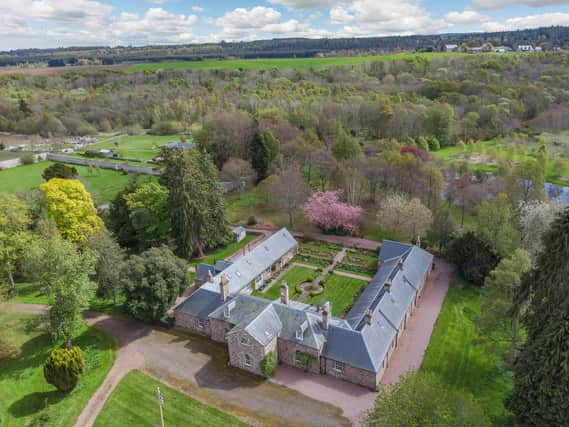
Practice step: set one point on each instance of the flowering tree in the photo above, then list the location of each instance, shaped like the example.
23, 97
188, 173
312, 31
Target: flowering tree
325, 209
407, 218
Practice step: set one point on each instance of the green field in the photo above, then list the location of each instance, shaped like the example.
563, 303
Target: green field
221, 253
141, 147
24, 393
103, 184
295, 276
341, 291
134, 403
296, 63
457, 360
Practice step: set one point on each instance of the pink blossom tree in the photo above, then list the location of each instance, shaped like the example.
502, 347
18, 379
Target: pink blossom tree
325, 209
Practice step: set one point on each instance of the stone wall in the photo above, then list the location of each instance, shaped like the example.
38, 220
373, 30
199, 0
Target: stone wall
354, 375
287, 351
254, 349
189, 323
219, 329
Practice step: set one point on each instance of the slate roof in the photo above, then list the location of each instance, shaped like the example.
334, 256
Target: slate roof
201, 303
249, 266
202, 273
238, 229
263, 328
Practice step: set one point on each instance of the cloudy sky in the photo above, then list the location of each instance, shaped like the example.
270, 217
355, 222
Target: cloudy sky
54, 23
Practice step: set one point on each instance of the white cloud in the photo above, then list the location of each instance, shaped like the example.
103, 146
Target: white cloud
158, 1
530, 21
197, 8
467, 17
260, 21
500, 4
370, 17
305, 4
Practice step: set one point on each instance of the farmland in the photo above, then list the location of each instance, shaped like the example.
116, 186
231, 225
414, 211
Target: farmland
139, 147
279, 63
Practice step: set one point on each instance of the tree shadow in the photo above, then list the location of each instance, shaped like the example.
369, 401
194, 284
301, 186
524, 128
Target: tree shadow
35, 402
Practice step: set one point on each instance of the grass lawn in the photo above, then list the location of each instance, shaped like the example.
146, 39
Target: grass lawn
141, 147
24, 346
296, 63
134, 403
456, 359
103, 184
341, 291
222, 253
295, 276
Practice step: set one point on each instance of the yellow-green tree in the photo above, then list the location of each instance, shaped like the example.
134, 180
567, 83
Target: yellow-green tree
72, 209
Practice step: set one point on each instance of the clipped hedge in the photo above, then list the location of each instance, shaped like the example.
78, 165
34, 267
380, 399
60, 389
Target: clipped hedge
63, 367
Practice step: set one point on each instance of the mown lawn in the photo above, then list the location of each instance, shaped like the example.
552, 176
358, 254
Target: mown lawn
134, 403
341, 291
454, 356
141, 147
103, 184
222, 253
295, 276
25, 397
296, 63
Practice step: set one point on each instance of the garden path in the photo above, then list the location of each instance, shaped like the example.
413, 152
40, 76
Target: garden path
352, 275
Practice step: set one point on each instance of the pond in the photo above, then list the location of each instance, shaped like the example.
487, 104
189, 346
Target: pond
557, 192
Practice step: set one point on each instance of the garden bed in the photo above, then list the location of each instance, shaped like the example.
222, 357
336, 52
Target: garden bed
295, 277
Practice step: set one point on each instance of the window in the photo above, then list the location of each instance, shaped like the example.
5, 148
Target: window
298, 357
200, 324
339, 366
226, 330
244, 341
248, 360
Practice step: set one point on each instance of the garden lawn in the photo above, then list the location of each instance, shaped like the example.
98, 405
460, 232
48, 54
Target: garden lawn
341, 291
24, 393
134, 403
141, 147
103, 184
457, 360
222, 253
295, 276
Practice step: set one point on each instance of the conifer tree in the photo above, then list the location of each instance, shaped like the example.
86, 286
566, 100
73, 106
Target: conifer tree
541, 371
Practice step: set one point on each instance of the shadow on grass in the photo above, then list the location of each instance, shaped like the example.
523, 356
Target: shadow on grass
35, 402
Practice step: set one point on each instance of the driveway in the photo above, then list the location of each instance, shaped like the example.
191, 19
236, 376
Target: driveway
198, 366
355, 401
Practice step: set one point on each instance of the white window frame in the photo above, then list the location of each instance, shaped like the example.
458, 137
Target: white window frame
244, 341
247, 358
339, 366
200, 324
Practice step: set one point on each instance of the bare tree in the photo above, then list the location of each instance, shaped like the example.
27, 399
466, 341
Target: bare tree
239, 172
289, 192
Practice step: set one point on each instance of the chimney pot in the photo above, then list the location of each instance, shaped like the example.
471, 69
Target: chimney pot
284, 293
388, 284
368, 316
224, 287
401, 262
326, 315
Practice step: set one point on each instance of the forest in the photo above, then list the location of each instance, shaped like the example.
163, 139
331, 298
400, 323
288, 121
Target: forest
547, 37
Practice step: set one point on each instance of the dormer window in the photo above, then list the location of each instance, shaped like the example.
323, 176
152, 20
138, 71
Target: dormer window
245, 340
301, 329
227, 309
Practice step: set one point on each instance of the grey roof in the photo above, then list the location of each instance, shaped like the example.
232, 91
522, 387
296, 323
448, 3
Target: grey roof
202, 273
180, 145
391, 249
238, 229
221, 265
201, 303
249, 266
244, 308
394, 303
263, 328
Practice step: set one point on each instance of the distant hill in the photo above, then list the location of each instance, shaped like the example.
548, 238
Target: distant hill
547, 37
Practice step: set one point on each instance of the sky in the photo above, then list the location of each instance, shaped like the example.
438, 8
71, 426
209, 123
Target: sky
57, 23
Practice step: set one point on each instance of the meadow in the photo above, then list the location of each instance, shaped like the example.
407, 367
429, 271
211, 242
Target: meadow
134, 403
24, 346
140, 147
295, 63
457, 358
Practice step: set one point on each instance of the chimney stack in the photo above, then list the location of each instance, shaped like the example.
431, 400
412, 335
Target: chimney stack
400, 263
388, 284
224, 287
284, 293
326, 315
368, 316
210, 276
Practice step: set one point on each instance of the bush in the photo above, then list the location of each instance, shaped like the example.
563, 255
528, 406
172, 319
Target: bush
63, 368
28, 158
474, 258
252, 220
167, 128
59, 170
269, 365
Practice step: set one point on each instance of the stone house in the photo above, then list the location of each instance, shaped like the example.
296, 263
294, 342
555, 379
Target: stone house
356, 349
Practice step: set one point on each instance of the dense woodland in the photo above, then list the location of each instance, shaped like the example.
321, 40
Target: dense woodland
547, 37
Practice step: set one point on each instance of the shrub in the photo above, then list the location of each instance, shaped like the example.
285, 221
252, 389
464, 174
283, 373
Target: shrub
28, 158
252, 220
63, 367
474, 258
59, 170
167, 128
269, 365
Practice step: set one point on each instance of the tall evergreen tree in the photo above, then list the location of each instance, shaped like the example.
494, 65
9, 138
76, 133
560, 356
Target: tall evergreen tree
260, 155
195, 202
541, 371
